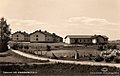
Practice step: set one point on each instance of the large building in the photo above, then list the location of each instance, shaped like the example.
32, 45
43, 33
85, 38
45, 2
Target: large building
37, 36
86, 39
57, 38
44, 36
20, 36
40, 36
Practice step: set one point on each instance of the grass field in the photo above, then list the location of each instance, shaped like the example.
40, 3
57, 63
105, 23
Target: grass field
59, 69
70, 52
57, 48
53, 69
15, 58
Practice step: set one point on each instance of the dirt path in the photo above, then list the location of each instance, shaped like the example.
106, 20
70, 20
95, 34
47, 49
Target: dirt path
66, 61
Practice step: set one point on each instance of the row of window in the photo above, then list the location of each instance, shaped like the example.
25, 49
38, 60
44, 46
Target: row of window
81, 40
20, 39
37, 39
38, 36
18, 35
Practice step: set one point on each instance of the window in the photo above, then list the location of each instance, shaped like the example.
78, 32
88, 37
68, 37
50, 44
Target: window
36, 35
105, 39
17, 39
84, 40
17, 35
36, 39
79, 40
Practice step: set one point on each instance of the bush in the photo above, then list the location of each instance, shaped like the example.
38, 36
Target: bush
48, 48
26, 47
109, 59
117, 59
98, 59
15, 46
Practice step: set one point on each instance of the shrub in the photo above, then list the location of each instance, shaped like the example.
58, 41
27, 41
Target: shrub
98, 58
48, 48
26, 47
109, 59
117, 59
15, 46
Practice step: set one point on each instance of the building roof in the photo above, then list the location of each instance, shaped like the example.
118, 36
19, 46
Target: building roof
84, 36
43, 32
47, 33
24, 33
79, 36
104, 36
54, 35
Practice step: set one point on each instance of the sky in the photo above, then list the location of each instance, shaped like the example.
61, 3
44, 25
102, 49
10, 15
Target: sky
64, 17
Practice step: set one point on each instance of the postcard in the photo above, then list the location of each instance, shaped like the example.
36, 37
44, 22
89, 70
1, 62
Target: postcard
59, 37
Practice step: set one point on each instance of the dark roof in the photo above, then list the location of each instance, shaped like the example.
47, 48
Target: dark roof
79, 36
46, 33
84, 36
24, 33
43, 32
54, 35
104, 36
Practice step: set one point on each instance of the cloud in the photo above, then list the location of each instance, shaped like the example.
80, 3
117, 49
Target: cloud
87, 21
25, 25
25, 22
31, 26
87, 25
73, 25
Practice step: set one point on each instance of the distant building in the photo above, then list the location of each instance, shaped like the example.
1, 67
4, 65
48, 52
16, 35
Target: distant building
44, 36
20, 36
86, 39
57, 38
37, 36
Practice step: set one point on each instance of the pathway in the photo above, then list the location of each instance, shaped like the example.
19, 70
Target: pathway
66, 61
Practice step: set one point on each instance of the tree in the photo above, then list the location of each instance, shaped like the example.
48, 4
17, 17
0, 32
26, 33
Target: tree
5, 32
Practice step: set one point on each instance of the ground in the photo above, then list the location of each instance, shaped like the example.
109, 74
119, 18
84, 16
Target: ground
14, 64
10, 56
58, 69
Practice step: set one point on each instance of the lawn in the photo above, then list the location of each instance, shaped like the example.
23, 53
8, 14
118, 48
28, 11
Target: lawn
58, 69
15, 58
83, 52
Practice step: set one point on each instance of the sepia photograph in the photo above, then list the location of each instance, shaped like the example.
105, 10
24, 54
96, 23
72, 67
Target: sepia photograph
59, 38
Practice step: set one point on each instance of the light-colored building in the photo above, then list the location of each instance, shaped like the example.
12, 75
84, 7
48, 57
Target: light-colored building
37, 36
20, 36
86, 39
41, 36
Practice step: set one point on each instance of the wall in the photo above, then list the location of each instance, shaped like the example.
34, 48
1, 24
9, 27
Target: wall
81, 40
27, 38
41, 37
49, 38
101, 40
20, 37
67, 40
